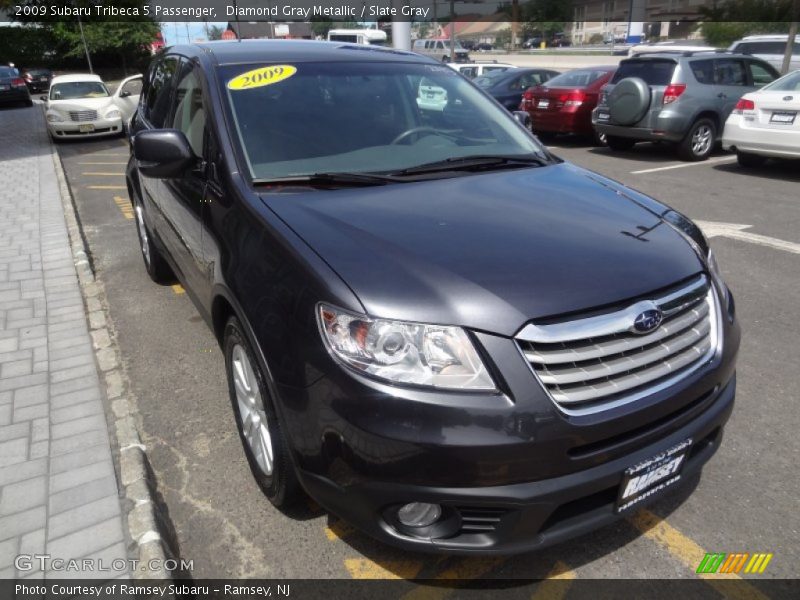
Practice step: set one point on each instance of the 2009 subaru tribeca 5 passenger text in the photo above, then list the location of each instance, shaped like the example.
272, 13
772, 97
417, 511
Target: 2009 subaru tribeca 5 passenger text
438, 330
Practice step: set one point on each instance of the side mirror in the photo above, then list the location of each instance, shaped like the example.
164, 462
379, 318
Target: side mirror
163, 153
124, 94
43, 98
523, 117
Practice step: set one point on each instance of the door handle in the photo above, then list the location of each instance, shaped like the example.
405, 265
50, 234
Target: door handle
722, 95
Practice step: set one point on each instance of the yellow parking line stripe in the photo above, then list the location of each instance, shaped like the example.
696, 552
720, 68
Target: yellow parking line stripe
338, 530
178, 289
97, 174
467, 568
557, 584
106, 187
124, 206
690, 554
363, 568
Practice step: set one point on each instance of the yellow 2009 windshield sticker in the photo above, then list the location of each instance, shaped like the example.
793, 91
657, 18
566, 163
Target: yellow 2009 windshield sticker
261, 77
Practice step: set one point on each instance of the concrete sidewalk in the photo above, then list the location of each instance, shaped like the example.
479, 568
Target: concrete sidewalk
58, 488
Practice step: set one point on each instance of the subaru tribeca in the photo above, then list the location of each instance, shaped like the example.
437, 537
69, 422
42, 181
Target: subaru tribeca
435, 328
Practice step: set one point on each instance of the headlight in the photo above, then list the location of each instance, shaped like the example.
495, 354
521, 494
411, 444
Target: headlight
695, 237
112, 114
406, 353
54, 118
716, 274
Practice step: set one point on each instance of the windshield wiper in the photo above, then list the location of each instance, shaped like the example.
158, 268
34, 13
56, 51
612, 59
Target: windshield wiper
326, 179
475, 163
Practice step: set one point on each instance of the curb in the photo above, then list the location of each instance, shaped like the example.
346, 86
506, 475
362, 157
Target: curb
134, 472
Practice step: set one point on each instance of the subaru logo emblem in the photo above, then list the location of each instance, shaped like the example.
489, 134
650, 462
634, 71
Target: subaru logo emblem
648, 320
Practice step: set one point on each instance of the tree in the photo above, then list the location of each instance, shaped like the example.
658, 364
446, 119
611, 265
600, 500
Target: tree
729, 21
215, 32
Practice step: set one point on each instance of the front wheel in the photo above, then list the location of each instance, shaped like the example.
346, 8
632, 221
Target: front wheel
259, 429
619, 143
745, 159
699, 140
156, 265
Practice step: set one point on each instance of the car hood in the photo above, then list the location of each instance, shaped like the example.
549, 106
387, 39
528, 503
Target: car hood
490, 251
97, 104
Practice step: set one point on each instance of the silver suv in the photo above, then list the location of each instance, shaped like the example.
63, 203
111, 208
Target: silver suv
683, 98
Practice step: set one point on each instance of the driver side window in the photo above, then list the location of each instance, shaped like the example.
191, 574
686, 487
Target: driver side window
190, 114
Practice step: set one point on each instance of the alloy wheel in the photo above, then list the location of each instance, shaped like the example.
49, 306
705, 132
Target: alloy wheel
701, 140
255, 427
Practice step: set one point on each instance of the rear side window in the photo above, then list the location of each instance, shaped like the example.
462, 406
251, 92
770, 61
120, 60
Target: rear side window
729, 71
761, 74
703, 71
156, 104
653, 72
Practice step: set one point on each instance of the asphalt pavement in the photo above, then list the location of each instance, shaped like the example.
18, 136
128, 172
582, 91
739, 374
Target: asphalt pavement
745, 501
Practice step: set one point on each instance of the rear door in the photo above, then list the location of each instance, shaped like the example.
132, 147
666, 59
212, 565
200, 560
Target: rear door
730, 82
656, 72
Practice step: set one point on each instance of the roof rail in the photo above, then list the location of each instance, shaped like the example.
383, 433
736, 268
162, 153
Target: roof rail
717, 51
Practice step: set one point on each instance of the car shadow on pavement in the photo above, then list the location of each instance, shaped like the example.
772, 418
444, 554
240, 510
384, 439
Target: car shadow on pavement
517, 570
787, 170
651, 152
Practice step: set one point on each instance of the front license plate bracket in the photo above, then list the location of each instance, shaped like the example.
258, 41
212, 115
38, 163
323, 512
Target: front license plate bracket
652, 476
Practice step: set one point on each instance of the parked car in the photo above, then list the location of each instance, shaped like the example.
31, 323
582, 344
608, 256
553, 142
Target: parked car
484, 47
80, 106
765, 123
12, 88
564, 103
402, 299
37, 80
507, 86
770, 48
682, 98
431, 96
440, 50
480, 67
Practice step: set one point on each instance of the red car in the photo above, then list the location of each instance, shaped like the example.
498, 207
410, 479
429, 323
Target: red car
564, 103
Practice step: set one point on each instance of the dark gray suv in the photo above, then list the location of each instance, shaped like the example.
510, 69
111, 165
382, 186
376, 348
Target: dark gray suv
683, 98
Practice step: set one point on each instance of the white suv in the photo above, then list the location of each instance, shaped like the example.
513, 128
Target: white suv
769, 48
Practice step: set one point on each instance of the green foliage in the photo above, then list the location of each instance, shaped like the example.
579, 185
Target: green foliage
215, 32
596, 38
724, 33
762, 11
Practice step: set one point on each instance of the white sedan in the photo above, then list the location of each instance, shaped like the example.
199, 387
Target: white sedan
766, 123
81, 106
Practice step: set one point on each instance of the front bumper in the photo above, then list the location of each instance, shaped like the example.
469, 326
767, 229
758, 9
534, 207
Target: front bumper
517, 518
72, 129
512, 471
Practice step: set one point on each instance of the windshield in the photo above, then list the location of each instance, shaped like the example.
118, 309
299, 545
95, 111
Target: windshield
369, 117
75, 90
38, 72
488, 79
576, 79
790, 83
7, 72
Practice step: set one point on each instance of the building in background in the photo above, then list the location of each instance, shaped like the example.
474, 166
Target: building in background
598, 21
268, 30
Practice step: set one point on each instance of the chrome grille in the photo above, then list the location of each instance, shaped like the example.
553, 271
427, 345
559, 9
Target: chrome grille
598, 362
83, 115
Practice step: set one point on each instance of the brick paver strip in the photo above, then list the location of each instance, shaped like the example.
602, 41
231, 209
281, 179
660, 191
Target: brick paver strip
58, 493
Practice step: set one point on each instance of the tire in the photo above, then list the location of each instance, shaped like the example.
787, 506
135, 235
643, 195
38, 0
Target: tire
747, 160
154, 262
545, 136
264, 444
29, 102
619, 144
699, 141
599, 139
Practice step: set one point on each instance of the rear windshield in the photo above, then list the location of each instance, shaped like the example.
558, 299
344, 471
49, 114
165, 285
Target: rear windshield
653, 72
790, 83
38, 72
577, 79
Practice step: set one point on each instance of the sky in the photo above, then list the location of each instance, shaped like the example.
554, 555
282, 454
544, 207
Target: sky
176, 33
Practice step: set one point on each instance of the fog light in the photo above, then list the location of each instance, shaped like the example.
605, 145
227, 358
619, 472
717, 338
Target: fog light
419, 514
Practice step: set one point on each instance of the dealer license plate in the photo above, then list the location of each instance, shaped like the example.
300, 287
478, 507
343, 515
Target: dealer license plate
784, 118
652, 476
543, 104
86, 128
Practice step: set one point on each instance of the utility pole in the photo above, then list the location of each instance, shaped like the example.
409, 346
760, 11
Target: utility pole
514, 24
787, 55
452, 31
85, 47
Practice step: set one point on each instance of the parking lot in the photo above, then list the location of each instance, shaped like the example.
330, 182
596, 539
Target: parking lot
745, 501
